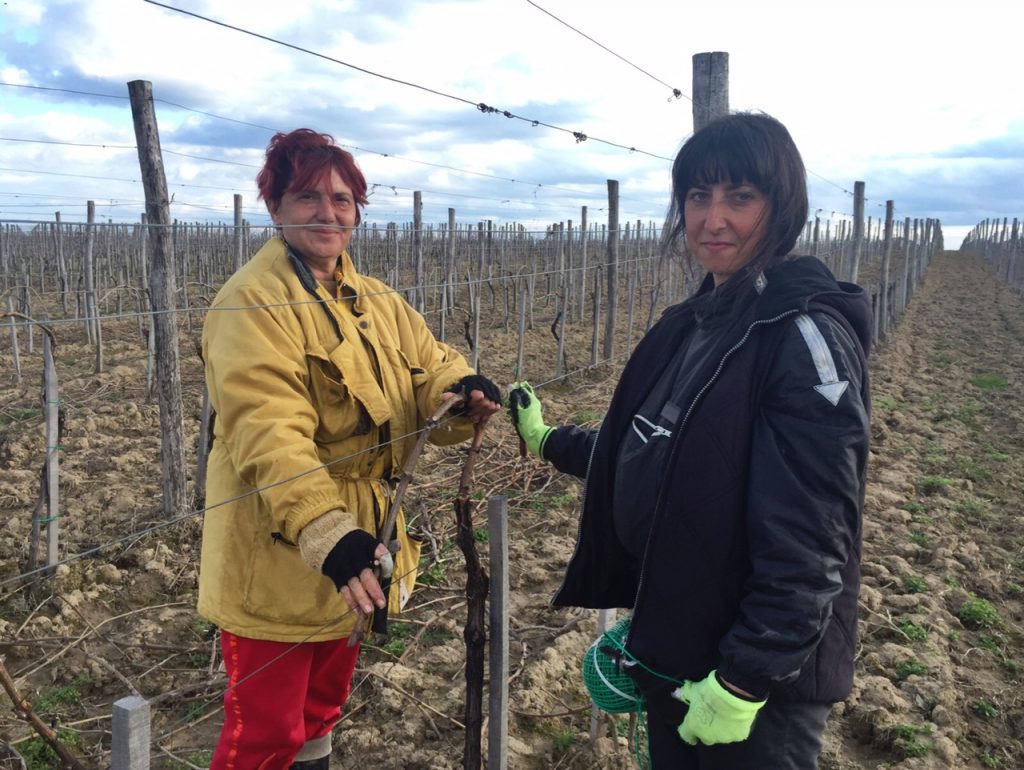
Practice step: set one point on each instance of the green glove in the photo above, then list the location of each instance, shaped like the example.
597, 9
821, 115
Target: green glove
715, 715
525, 412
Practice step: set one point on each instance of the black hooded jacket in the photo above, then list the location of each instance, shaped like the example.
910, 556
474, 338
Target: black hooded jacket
752, 560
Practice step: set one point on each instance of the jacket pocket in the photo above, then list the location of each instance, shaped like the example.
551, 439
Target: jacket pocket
340, 414
280, 587
417, 374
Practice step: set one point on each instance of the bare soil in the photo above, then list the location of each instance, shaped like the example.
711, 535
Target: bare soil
942, 606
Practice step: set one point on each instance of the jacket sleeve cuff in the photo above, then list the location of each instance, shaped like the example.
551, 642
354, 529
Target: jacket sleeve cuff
568, 448
758, 687
321, 535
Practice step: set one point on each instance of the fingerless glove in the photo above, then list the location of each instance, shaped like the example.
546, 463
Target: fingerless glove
472, 382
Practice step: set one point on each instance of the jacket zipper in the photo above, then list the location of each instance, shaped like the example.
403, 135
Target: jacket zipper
677, 431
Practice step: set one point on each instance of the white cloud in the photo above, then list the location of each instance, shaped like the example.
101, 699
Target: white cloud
25, 13
876, 93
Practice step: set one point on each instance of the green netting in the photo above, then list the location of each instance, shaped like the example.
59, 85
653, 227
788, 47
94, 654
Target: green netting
614, 691
610, 687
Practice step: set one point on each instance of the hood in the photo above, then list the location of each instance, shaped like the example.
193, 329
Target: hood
803, 282
795, 283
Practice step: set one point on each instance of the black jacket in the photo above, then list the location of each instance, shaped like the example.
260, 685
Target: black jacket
752, 561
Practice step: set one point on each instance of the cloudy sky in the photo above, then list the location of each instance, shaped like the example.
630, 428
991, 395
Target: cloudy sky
914, 98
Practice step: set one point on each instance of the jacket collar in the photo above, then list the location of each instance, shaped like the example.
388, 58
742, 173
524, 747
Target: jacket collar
350, 282
794, 284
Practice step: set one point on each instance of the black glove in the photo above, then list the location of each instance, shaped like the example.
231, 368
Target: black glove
472, 382
350, 556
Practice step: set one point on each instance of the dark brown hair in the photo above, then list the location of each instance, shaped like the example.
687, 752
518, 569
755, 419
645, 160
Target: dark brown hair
751, 148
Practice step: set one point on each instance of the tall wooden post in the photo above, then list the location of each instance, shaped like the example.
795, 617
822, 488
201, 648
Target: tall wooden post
419, 289
1014, 251
89, 273
51, 409
710, 87
476, 303
583, 263
4, 261
883, 290
857, 241
905, 289
447, 278
608, 349
239, 241
62, 268
162, 291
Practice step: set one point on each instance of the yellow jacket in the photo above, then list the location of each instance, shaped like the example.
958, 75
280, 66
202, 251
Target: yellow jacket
308, 390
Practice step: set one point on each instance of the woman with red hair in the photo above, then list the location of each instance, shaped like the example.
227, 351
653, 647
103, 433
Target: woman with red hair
321, 379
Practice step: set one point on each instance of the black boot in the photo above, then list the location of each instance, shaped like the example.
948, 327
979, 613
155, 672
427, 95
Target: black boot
321, 763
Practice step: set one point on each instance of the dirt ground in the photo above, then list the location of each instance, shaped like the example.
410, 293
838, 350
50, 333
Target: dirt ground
939, 681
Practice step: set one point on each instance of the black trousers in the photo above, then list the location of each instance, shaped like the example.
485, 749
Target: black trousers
786, 736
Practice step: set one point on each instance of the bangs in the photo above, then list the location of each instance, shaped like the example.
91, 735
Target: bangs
311, 166
722, 158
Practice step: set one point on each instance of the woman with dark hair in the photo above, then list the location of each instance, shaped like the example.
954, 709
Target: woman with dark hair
321, 378
725, 486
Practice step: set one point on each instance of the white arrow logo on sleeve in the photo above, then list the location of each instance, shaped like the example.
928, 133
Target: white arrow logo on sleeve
831, 387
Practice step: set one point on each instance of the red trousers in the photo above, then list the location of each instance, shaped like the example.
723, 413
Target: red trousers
280, 695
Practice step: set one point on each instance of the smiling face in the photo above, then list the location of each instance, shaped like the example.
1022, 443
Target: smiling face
317, 222
725, 223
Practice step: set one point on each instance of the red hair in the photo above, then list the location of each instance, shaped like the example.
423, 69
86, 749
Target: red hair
299, 159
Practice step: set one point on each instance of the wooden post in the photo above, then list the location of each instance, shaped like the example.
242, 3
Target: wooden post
447, 297
143, 292
419, 288
25, 307
905, 284
203, 449
883, 291
51, 409
523, 292
596, 315
129, 734
561, 302
89, 273
1014, 253
92, 300
489, 260
62, 267
5, 268
478, 304
183, 232
915, 262
239, 244
162, 290
570, 270
497, 703
612, 261
583, 263
710, 87
14, 340
857, 241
